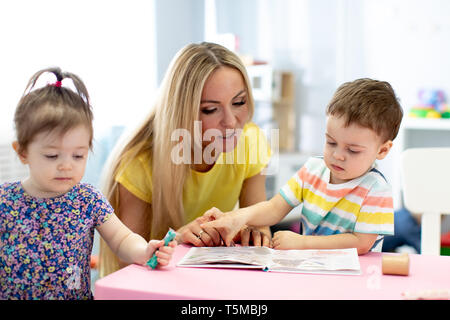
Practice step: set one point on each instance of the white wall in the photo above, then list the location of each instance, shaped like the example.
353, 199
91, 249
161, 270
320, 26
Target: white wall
406, 43
109, 44
178, 23
122, 49
328, 42
287, 34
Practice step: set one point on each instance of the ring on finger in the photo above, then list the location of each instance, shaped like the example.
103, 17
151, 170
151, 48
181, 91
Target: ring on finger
199, 236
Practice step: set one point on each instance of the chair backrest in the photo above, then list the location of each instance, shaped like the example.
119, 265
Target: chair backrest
426, 180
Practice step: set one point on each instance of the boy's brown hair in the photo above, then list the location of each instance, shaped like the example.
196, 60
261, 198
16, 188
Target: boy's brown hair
369, 103
52, 107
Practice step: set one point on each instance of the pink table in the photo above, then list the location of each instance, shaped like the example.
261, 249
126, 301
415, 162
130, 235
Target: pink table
171, 282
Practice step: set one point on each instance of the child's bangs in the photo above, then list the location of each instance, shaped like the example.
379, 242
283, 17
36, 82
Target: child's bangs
55, 118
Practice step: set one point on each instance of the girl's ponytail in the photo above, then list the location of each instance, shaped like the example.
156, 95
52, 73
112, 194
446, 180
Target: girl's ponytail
52, 107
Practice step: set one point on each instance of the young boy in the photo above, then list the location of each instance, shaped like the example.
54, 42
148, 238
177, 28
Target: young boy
347, 203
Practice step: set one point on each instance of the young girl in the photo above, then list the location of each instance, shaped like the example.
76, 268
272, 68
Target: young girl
47, 221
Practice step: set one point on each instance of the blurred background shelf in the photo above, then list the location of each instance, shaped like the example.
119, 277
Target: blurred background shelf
426, 124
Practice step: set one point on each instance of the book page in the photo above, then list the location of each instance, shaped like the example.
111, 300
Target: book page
257, 256
333, 261
317, 261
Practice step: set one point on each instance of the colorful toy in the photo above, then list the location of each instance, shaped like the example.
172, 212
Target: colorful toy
433, 98
432, 104
419, 112
170, 235
445, 113
445, 244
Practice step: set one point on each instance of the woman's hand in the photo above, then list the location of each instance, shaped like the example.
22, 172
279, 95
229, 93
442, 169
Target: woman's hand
228, 224
200, 237
256, 236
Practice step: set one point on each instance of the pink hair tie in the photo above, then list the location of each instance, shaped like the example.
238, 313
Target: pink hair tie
57, 84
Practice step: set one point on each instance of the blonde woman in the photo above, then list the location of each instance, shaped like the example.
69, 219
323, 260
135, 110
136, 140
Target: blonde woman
196, 149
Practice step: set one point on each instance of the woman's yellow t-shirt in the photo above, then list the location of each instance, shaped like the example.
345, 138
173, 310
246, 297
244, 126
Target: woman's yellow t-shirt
219, 187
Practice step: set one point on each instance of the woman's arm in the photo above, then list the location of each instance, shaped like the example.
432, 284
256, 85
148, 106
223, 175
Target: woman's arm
133, 214
254, 191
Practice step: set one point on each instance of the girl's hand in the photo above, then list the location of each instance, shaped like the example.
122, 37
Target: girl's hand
287, 240
163, 253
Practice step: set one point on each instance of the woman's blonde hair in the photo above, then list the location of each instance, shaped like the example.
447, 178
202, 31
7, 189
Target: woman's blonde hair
177, 107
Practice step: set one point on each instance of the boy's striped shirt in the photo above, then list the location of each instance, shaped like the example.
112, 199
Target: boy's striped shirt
362, 205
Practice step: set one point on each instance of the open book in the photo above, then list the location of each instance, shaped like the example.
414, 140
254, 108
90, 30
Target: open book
333, 261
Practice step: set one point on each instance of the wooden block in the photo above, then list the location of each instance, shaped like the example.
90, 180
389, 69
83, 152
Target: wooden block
396, 264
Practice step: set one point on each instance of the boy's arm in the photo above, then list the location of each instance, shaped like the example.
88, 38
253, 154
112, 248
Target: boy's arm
129, 246
261, 214
363, 242
267, 213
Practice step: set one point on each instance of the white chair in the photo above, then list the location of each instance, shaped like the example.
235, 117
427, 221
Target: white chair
425, 181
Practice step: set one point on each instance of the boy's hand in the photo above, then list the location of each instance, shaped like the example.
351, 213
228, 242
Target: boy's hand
227, 224
213, 214
164, 254
285, 240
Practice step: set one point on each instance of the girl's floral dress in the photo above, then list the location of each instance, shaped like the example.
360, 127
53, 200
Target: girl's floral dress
45, 244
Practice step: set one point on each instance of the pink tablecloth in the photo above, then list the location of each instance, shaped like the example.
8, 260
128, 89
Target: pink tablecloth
171, 282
